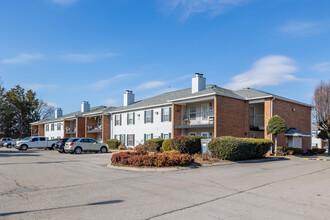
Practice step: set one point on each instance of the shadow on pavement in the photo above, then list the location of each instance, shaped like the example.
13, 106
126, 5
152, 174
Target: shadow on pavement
64, 207
18, 154
263, 160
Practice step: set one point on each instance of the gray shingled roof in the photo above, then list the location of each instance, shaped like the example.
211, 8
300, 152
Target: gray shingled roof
295, 132
180, 94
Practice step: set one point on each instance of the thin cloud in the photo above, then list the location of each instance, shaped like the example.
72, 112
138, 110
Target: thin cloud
110, 102
37, 86
52, 104
151, 85
23, 58
301, 27
64, 2
268, 71
187, 8
322, 67
86, 58
105, 82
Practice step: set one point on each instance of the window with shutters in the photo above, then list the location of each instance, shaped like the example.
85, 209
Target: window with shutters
166, 114
59, 126
130, 139
130, 120
166, 136
122, 139
117, 120
47, 127
192, 112
148, 136
148, 116
52, 126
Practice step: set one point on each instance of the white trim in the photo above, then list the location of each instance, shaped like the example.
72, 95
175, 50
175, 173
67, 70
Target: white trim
139, 108
257, 101
281, 98
297, 135
195, 100
207, 134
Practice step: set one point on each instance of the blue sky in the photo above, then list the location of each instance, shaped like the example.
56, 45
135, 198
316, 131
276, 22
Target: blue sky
69, 51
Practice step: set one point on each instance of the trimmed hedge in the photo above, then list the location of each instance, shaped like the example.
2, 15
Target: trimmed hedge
166, 146
156, 141
155, 160
187, 144
148, 147
231, 148
316, 151
113, 143
284, 151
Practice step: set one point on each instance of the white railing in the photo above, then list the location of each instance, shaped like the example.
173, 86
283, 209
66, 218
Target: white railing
70, 129
94, 127
198, 118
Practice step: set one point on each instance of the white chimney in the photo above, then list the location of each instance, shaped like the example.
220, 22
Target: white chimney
58, 112
198, 83
129, 98
85, 106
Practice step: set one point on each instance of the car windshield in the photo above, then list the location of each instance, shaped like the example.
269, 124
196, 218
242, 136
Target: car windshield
26, 139
72, 140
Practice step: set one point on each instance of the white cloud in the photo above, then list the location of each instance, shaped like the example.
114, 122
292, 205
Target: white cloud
322, 67
301, 27
37, 86
188, 8
269, 70
23, 58
151, 85
85, 58
110, 102
103, 83
52, 104
64, 2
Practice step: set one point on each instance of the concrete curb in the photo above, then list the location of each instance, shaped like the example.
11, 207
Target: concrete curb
320, 159
171, 169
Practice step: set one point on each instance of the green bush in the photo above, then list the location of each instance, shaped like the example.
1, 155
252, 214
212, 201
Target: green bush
187, 144
284, 151
113, 143
148, 147
166, 146
231, 148
261, 146
156, 141
315, 151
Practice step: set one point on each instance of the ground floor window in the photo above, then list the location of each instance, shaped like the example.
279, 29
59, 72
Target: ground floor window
130, 139
166, 136
192, 134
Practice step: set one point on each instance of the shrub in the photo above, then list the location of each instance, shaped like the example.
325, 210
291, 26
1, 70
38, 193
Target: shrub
284, 151
156, 141
157, 160
113, 143
148, 147
166, 146
171, 152
230, 148
261, 146
315, 151
187, 144
121, 147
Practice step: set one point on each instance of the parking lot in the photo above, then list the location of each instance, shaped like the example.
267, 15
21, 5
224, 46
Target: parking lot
39, 184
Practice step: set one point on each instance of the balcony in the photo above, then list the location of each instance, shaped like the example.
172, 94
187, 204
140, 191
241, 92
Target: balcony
197, 120
94, 128
70, 130
34, 132
257, 122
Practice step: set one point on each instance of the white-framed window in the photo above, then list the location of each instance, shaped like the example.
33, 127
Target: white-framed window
52, 127
205, 112
148, 116
122, 139
166, 114
192, 112
47, 127
99, 122
130, 139
117, 119
192, 134
59, 126
130, 119
166, 136
148, 136
205, 134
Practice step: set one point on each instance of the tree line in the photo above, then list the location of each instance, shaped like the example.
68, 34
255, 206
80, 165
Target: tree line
18, 108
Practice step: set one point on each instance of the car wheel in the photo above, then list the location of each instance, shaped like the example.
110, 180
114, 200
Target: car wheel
104, 149
9, 146
77, 150
24, 147
53, 147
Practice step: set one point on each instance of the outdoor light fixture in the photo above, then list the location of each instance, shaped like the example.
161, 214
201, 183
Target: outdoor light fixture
156, 113
293, 109
138, 115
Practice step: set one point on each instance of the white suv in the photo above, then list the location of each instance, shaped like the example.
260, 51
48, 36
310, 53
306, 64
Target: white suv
78, 145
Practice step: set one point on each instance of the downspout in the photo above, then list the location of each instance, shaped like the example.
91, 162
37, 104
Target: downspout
271, 115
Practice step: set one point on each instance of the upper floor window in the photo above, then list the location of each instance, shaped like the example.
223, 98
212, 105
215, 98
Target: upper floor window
130, 118
59, 126
52, 127
166, 114
148, 116
118, 119
192, 112
47, 127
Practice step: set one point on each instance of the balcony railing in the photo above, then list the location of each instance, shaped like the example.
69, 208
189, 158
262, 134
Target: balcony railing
198, 118
257, 121
94, 127
34, 132
70, 130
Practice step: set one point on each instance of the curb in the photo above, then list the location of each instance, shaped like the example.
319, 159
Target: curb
316, 159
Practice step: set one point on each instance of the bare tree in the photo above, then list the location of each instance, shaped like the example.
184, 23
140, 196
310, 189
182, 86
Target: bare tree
45, 110
321, 103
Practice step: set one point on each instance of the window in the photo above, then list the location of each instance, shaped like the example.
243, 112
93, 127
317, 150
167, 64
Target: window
205, 134
205, 112
252, 116
130, 118
59, 126
148, 116
47, 127
130, 139
122, 139
148, 136
99, 122
166, 136
192, 133
118, 119
42, 139
192, 112
34, 139
92, 141
166, 114
52, 127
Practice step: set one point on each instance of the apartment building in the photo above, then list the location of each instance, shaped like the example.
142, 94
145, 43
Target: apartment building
205, 110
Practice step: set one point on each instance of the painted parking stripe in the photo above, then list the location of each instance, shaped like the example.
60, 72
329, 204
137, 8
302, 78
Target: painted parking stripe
316, 159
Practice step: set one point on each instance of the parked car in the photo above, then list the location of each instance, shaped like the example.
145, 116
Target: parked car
9, 144
78, 145
59, 146
3, 141
35, 142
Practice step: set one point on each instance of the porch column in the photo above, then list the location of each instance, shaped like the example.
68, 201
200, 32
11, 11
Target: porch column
41, 131
105, 128
176, 119
80, 127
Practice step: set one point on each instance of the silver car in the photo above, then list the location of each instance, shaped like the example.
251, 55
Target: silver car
78, 145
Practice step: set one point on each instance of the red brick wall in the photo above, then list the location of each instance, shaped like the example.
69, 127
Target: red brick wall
41, 131
299, 119
231, 117
80, 127
66, 124
105, 128
176, 119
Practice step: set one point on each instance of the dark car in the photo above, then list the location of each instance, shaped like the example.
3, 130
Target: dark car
59, 146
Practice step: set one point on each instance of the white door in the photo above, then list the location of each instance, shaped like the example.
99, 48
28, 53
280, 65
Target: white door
205, 112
